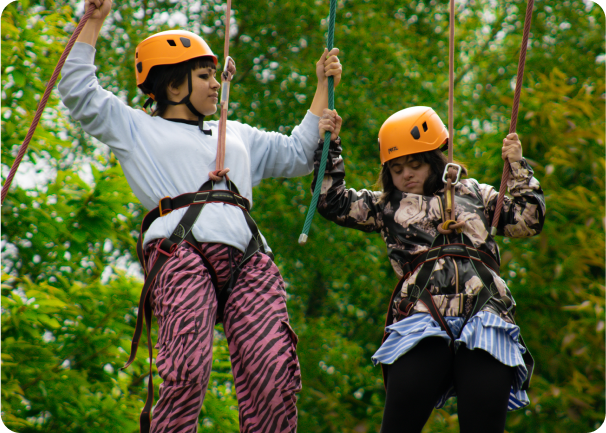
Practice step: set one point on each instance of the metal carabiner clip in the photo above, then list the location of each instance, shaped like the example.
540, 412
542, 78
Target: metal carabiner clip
459, 170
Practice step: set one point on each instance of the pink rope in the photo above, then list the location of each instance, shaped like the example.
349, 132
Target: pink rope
42, 104
514, 114
226, 77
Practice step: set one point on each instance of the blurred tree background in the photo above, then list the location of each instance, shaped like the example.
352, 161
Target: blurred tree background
70, 280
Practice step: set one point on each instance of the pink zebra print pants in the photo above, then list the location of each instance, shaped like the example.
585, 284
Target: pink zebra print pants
261, 342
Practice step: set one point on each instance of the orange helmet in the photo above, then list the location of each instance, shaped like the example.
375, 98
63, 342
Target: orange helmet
168, 48
412, 130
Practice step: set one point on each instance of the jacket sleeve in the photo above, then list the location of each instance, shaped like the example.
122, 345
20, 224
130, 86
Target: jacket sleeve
278, 155
523, 214
346, 207
101, 114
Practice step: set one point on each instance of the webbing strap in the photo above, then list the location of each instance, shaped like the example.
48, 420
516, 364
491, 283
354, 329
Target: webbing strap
419, 291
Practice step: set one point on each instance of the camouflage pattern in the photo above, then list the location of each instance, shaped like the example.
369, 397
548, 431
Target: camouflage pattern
408, 224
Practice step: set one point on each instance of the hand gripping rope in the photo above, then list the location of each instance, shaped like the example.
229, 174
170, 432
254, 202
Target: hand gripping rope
514, 114
42, 104
226, 77
448, 225
331, 106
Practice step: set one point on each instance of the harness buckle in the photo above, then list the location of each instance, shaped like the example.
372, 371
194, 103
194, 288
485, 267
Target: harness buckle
162, 211
414, 294
459, 170
170, 246
201, 197
240, 201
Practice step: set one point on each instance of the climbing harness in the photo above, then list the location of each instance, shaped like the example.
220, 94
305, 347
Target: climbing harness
469, 305
44, 100
331, 106
514, 114
195, 203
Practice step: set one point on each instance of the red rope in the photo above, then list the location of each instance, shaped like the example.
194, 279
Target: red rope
514, 114
42, 104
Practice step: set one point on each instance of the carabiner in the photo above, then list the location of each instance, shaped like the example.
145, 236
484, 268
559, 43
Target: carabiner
459, 170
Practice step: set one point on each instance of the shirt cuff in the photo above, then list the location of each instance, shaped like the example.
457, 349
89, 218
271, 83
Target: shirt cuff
82, 53
520, 169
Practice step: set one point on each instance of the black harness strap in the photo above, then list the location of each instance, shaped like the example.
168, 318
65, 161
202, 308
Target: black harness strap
420, 292
194, 202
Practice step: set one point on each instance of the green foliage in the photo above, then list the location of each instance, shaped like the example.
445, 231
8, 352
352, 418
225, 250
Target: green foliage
70, 282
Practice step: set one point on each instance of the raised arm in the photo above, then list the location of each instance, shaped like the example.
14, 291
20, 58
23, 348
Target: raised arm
346, 207
278, 155
91, 30
101, 114
523, 214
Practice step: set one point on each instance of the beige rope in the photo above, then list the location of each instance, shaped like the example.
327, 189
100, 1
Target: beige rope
450, 225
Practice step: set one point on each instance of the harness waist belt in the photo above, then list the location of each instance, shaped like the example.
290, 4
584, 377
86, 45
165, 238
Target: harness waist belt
169, 204
453, 250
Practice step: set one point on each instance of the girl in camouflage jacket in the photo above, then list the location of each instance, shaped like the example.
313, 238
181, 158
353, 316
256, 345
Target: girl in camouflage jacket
484, 366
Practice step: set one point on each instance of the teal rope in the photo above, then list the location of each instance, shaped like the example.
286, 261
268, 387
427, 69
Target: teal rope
331, 106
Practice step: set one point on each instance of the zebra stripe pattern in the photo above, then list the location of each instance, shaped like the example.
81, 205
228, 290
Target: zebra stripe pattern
261, 342
484, 331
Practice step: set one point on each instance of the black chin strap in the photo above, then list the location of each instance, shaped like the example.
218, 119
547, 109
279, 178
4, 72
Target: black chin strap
189, 105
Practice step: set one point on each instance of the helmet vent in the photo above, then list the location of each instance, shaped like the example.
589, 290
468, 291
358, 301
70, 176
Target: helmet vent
186, 42
139, 67
424, 126
415, 133
171, 43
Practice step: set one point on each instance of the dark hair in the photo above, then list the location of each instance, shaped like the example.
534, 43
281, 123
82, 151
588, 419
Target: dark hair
437, 162
161, 76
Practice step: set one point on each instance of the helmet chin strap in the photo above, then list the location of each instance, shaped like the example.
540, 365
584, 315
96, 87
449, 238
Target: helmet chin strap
191, 107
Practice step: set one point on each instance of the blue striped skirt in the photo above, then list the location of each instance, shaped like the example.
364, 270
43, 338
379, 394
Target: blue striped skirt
483, 331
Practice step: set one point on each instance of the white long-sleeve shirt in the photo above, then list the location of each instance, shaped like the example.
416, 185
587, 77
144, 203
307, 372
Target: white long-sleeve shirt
162, 158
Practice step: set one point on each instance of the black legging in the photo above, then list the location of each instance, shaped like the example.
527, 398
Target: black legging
416, 381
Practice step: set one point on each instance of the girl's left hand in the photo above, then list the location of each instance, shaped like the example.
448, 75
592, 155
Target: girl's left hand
512, 148
231, 70
330, 121
329, 65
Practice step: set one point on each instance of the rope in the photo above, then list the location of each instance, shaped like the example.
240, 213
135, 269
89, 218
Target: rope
514, 114
450, 225
226, 77
42, 104
331, 106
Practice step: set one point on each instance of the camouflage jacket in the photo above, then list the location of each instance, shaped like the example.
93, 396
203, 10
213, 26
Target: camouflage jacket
408, 224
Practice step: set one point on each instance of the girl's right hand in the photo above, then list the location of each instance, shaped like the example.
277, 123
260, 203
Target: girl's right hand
102, 9
330, 121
